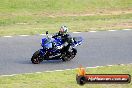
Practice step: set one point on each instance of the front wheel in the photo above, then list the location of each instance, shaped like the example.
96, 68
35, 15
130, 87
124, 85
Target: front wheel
69, 55
36, 58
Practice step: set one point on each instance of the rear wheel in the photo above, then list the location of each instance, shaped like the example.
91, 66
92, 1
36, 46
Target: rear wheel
70, 55
36, 58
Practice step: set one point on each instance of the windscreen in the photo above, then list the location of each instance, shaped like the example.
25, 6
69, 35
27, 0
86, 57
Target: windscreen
46, 41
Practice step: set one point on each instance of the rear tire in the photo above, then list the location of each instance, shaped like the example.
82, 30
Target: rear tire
36, 58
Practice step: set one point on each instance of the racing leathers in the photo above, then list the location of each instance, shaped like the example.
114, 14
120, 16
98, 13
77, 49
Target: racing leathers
66, 38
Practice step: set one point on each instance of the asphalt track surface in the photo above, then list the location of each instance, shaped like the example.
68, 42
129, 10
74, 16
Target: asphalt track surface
98, 49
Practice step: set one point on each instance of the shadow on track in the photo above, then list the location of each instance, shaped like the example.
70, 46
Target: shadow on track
28, 61
52, 62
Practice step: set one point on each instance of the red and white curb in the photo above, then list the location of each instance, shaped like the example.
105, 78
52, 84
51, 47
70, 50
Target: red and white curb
65, 70
72, 32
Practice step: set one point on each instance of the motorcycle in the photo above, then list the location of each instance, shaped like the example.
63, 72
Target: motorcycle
53, 49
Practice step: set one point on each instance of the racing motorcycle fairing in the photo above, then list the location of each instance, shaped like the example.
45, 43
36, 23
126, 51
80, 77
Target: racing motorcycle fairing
52, 49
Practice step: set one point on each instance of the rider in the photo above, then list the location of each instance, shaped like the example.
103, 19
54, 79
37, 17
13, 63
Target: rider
66, 38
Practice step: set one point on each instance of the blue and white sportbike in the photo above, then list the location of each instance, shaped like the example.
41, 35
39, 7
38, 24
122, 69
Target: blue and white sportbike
53, 49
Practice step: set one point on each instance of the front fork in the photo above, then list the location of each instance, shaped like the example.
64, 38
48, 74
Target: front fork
42, 52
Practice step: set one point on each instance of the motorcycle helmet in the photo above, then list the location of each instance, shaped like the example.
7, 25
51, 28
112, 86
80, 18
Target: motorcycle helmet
63, 29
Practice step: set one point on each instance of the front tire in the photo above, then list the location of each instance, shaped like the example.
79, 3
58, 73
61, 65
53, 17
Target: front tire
36, 58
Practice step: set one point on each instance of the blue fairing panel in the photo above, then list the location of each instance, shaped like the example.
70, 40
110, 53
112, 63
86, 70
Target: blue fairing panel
47, 43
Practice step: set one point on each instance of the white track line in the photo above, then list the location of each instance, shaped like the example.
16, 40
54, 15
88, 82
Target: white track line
92, 31
27, 73
59, 70
49, 71
97, 66
10, 75
62, 70
38, 72
112, 30
109, 65
76, 32
93, 67
23, 35
71, 69
7, 36
72, 32
122, 64
127, 29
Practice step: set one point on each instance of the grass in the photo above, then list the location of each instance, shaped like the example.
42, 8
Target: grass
36, 16
32, 25
64, 79
62, 5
